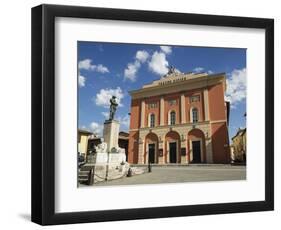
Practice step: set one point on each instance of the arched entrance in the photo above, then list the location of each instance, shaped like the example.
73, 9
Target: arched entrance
172, 145
151, 148
197, 147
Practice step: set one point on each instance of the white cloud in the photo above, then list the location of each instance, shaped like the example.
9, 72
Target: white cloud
83, 127
81, 81
142, 55
101, 69
236, 87
103, 97
198, 69
158, 63
86, 64
130, 72
96, 128
166, 49
105, 114
201, 69
125, 122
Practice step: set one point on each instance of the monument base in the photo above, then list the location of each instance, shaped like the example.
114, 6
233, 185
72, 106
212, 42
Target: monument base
111, 134
104, 158
107, 166
98, 158
118, 158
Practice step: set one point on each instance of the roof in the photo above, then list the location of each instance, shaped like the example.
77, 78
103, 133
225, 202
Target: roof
84, 131
124, 134
243, 131
239, 132
177, 82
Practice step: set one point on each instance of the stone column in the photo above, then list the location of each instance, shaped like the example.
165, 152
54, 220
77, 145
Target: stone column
162, 104
160, 146
209, 151
206, 104
187, 150
111, 134
183, 114
167, 148
141, 153
142, 114
183, 145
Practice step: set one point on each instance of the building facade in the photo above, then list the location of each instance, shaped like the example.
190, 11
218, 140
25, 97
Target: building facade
180, 118
239, 145
83, 137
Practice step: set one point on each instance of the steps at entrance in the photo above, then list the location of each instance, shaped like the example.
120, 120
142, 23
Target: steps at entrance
83, 176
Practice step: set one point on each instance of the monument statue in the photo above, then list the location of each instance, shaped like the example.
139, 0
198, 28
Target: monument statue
171, 70
109, 160
113, 107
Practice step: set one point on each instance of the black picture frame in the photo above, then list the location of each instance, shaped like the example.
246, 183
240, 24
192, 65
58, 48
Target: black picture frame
43, 114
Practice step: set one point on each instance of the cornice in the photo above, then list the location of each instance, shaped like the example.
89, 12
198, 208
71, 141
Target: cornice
179, 86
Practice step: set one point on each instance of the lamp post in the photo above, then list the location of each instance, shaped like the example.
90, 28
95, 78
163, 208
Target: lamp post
149, 167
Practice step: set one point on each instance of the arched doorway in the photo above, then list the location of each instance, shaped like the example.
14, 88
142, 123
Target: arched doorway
151, 148
197, 147
172, 145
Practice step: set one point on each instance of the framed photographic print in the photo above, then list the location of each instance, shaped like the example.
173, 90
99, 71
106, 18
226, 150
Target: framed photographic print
142, 114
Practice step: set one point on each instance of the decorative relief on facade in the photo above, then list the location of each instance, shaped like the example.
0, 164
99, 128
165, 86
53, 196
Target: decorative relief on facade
195, 98
152, 105
172, 102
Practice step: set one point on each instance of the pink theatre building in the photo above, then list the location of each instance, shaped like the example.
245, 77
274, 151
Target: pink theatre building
180, 118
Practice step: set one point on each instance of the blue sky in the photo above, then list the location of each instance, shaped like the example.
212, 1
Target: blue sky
106, 69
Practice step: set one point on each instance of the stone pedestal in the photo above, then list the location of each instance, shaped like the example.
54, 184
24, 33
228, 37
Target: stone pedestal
116, 158
111, 134
98, 158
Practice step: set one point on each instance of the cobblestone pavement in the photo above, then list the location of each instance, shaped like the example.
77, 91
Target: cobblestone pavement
175, 174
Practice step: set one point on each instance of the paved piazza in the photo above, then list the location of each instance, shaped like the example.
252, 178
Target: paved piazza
174, 174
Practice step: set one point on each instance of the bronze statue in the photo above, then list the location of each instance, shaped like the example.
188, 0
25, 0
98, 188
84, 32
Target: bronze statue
171, 70
113, 107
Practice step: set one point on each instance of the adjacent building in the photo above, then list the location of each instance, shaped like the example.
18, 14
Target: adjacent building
239, 145
181, 118
83, 137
